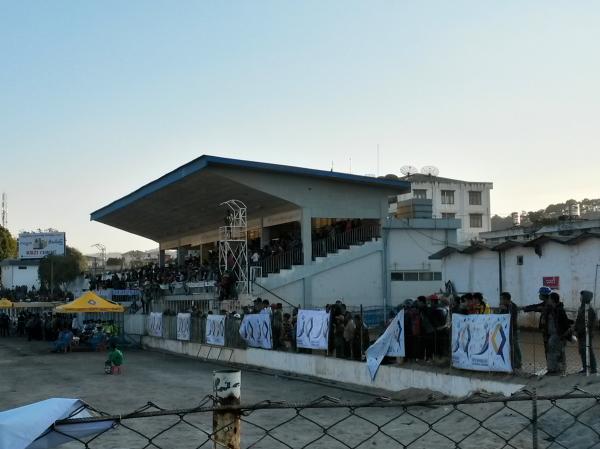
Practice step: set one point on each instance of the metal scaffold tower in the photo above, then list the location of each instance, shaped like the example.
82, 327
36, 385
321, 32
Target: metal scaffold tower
233, 244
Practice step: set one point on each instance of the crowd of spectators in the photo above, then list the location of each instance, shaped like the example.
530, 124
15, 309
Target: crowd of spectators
24, 293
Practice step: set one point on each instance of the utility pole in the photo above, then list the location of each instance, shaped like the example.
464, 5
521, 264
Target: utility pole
51, 278
4, 210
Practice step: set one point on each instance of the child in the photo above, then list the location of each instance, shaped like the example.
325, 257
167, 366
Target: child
115, 358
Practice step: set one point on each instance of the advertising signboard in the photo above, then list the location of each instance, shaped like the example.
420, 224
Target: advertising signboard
38, 245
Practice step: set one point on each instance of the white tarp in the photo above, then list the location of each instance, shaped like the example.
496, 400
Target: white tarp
481, 342
256, 330
23, 427
184, 323
312, 330
391, 344
215, 330
155, 324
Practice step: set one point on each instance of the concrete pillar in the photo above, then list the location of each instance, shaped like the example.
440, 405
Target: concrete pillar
161, 258
306, 235
265, 236
182, 253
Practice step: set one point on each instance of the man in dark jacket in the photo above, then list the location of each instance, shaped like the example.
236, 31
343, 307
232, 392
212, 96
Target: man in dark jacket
558, 328
507, 306
543, 294
581, 322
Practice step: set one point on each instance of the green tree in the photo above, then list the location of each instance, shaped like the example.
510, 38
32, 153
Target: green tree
8, 244
61, 269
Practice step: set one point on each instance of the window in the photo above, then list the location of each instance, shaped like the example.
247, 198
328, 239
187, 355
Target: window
411, 276
424, 276
474, 198
420, 194
519, 260
397, 276
447, 196
448, 215
476, 220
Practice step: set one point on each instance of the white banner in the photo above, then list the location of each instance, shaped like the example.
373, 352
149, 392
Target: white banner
312, 330
155, 324
256, 330
391, 344
215, 330
38, 245
184, 323
481, 342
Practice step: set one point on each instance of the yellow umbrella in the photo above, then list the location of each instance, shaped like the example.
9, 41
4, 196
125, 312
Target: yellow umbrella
5, 304
89, 302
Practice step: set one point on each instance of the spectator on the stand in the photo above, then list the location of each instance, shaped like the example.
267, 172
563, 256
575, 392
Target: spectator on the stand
339, 341
543, 295
349, 333
277, 325
360, 343
286, 332
480, 306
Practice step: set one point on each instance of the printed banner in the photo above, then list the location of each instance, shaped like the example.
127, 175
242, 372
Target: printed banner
312, 330
481, 342
38, 245
215, 330
155, 324
184, 323
256, 330
391, 344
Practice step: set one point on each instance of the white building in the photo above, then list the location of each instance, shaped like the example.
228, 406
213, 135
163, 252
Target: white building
466, 201
566, 264
17, 272
569, 227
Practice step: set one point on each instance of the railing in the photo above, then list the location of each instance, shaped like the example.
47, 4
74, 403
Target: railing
343, 240
284, 261
568, 420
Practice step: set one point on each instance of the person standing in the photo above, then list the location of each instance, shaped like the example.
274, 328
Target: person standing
557, 330
481, 307
543, 295
584, 329
349, 331
507, 306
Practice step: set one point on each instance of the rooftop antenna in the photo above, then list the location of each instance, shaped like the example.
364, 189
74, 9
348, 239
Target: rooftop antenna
408, 170
350, 164
430, 170
377, 159
332, 165
4, 210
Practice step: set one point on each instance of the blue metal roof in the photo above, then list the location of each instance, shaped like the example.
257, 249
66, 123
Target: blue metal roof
204, 161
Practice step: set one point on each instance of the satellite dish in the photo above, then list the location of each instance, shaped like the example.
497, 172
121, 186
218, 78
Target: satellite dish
408, 170
430, 170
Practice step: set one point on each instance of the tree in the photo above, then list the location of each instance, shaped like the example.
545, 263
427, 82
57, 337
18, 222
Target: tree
8, 244
61, 269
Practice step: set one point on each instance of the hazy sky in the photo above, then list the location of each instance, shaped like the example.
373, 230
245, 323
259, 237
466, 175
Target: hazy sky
98, 98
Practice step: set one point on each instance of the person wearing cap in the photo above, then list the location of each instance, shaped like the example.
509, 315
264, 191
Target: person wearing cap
581, 329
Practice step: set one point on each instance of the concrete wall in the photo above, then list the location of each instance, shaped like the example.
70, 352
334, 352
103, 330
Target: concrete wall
13, 276
474, 273
389, 378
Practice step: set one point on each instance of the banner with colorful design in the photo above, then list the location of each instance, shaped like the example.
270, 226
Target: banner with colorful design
481, 342
312, 330
215, 330
390, 344
184, 324
256, 330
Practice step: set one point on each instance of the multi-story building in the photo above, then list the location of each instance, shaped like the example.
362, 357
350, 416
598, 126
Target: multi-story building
466, 201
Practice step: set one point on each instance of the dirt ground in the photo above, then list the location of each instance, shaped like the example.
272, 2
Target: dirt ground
30, 373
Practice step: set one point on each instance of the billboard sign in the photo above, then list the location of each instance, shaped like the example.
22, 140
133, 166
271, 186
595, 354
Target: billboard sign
38, 245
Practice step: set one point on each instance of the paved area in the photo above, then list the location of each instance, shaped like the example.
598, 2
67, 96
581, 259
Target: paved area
30, 373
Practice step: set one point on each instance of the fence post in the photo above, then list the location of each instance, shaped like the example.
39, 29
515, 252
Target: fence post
226, 424
534, 419
587, 340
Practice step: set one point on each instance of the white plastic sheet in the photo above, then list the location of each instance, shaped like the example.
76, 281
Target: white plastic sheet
312, 330
184, 323
155, 324
30, 426
256, 330
215, 330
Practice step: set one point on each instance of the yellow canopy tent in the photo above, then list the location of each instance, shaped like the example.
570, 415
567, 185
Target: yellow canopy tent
89, 302
5, 304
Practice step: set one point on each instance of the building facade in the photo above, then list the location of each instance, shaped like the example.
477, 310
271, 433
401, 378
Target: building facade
466, 201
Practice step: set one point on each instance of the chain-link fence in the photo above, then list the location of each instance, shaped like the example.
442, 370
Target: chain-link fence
569, 420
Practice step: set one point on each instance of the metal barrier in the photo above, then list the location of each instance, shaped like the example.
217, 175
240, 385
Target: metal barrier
284, 261
343, 240
567, 420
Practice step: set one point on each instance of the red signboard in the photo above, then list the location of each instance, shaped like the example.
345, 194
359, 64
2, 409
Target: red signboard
552, 282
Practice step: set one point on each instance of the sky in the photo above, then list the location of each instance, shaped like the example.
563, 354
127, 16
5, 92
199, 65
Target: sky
99, 98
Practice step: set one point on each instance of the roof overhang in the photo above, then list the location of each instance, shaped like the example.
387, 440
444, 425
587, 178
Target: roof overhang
186, 200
